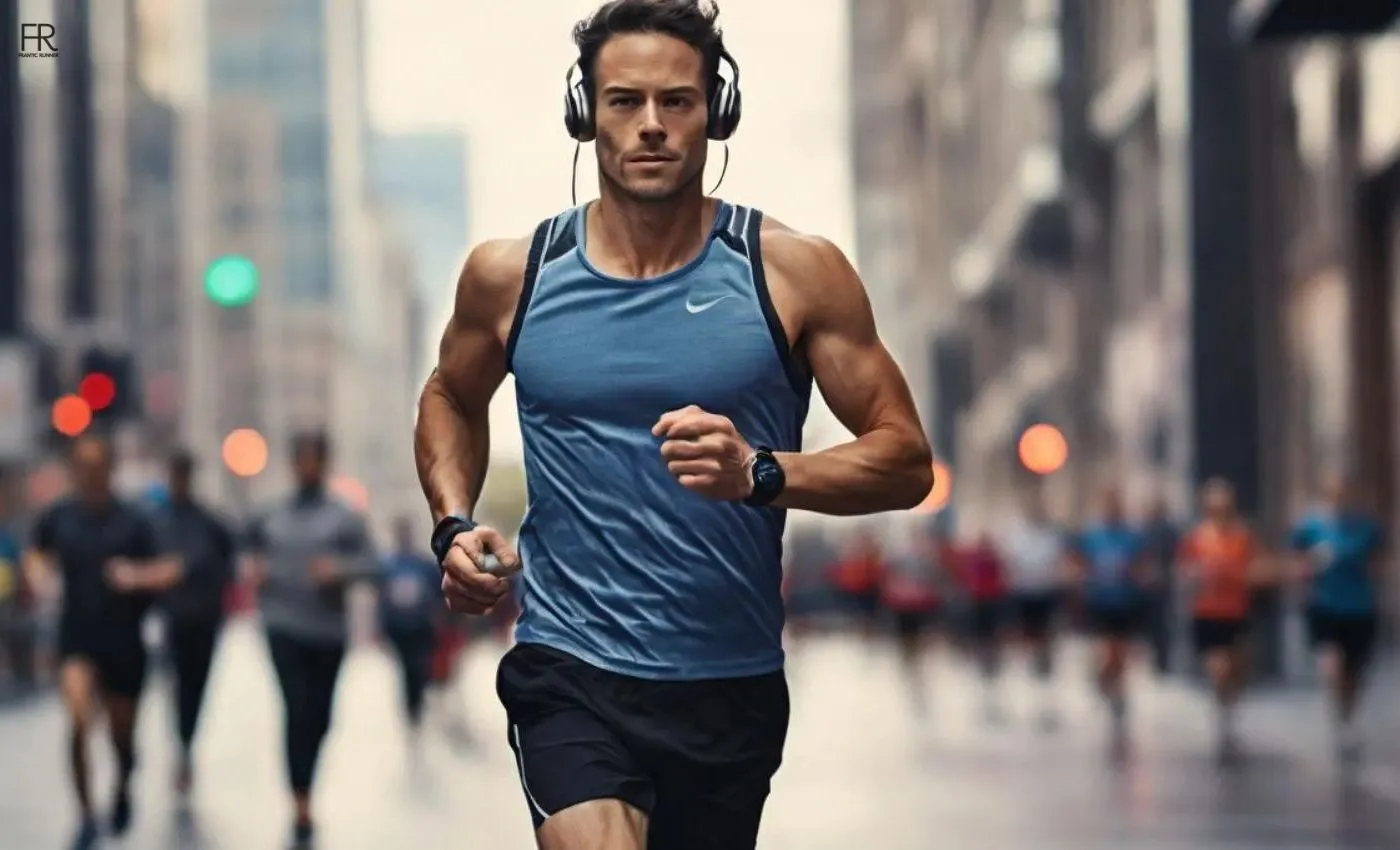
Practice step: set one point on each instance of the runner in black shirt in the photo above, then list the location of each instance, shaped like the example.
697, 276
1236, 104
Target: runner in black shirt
194, 608
108, 558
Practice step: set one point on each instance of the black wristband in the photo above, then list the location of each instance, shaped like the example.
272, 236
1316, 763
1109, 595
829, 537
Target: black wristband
445, 532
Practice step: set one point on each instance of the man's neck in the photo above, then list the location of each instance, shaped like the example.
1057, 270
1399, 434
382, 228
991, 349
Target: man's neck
646, 240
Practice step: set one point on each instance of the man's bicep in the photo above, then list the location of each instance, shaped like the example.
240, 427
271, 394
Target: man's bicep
856, 374
472, 353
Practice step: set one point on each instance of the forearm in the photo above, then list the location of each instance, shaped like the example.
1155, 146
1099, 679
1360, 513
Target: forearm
451, 448
883, 470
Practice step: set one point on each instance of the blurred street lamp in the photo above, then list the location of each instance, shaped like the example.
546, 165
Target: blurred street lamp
1043, 449
245, 452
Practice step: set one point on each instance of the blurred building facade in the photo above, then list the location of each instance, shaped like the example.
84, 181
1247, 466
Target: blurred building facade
1150, 224
165, 135
422, 177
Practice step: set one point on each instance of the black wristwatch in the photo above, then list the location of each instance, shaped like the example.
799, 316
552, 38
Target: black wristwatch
768, 478
446, 531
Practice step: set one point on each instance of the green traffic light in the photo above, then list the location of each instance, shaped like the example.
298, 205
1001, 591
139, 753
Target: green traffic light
231, 281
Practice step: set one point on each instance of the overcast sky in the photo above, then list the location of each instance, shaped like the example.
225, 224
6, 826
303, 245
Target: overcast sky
495, 70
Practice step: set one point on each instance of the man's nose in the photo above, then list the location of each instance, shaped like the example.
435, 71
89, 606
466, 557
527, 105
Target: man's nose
651, 121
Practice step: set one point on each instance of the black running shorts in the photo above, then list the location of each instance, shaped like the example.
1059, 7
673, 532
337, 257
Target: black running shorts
697, 757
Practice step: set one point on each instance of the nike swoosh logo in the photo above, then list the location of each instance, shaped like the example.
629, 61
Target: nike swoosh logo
691, 307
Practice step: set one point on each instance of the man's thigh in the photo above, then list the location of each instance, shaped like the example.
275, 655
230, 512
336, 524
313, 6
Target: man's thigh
714, 761
583, 785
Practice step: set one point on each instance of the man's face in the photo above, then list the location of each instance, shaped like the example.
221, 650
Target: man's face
179, 482
1218, 502
309, 464
650, 103
91, 468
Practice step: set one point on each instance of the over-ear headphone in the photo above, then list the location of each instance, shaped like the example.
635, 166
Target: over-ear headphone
726, 103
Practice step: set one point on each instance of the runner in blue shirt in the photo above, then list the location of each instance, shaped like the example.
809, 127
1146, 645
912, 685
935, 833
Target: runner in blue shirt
1112, 555
1340, 548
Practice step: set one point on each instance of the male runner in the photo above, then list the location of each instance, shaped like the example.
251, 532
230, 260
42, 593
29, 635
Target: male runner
302, 555
662, 344
982, 573
1340, 548
1037, 558
194, 608
107, 555
1220, 563
909, 591
1111, 555
410, 615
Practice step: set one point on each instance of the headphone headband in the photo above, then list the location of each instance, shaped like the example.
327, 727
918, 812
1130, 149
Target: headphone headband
725, 102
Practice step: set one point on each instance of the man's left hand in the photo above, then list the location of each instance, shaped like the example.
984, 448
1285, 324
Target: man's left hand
705, 453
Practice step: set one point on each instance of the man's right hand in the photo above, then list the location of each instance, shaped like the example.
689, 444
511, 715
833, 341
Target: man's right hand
466, 585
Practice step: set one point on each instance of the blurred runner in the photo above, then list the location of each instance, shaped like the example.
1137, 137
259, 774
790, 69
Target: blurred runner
909, 591
1162, 609
1111, 556
1220, 562
1037, 565
107, 555
856, 576
1341, 548
809, 561
194, 608
411, 613
303, 554
17, 625
983, 575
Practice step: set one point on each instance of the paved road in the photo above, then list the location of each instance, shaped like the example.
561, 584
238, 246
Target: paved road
864, 770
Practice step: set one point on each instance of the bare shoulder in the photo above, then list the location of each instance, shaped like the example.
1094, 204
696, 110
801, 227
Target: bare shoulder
490, 281
812, 267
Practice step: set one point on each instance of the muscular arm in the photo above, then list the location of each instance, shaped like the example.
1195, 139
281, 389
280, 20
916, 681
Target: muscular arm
452, 441
888, 466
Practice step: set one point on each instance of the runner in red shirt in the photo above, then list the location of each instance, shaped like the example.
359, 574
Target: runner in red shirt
909, 591
983, 577
857, 576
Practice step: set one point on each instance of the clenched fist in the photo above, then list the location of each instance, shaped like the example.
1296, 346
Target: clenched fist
705, 453
467, 585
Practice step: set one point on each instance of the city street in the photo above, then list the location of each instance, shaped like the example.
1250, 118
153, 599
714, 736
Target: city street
863, 771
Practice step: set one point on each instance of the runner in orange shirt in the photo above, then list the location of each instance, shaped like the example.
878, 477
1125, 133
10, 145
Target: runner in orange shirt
1221, 563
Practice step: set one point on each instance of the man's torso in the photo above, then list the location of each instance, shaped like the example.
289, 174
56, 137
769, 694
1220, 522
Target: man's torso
1341, 549
1111, 551
1224, 557
622, 566
82, 540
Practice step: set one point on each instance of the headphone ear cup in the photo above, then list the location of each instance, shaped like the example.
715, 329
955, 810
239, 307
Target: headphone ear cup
570, 115
724, 112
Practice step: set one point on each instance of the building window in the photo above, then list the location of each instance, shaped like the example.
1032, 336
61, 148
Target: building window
304, 149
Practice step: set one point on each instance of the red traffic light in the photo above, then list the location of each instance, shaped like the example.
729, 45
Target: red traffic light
98, 390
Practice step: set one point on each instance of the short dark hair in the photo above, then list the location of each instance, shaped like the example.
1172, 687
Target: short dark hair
318, 441
691, 21
181, 462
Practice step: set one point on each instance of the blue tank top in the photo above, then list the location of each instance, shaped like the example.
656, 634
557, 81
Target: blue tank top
622, 567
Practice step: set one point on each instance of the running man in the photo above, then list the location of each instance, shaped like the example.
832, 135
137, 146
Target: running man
194, 608
302, 555
663, 345
410, 614
1112, 559
107, 555
857, 576
982, 574
1037, 566
909, 591
1340, 549
1221, 563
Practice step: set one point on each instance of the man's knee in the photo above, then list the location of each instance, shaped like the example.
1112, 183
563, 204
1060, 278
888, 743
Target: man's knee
595, 825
